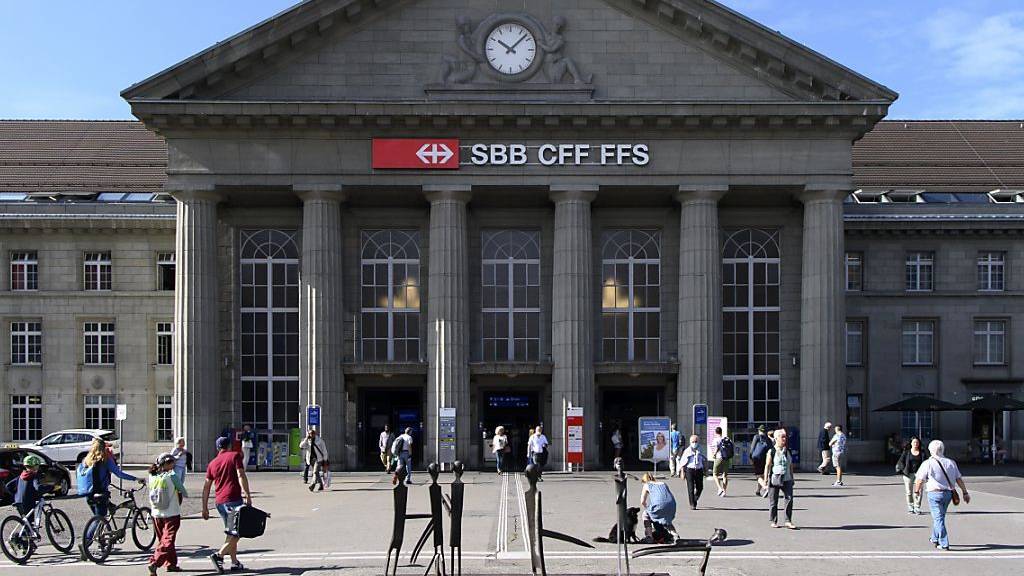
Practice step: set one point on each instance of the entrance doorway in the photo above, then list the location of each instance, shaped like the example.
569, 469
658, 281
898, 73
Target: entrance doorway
399, 408
621, 409
517, 412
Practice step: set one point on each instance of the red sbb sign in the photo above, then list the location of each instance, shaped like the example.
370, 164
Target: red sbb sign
416, 153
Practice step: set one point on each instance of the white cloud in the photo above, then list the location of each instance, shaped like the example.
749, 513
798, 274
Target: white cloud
985, 49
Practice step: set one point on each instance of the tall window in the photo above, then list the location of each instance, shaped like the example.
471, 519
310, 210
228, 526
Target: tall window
750, 332
26, 418
631, 295
390, 319
24, 271
511, 296
920, 268
990, 342
100, 411
99, 343
165, 271
855, 416
990, 271
270, 329
918, 342
164, 343
26, 343
163, 418
97, 271
854, 342
917, 424
854, 271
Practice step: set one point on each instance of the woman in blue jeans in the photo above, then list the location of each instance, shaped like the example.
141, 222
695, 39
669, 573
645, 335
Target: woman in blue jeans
939, 476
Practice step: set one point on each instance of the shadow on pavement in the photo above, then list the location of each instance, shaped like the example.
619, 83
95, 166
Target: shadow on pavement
983, 547
733, 542
970, 512
864, 527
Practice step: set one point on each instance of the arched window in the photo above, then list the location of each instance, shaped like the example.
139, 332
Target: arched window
630, 295
390, 279
269, 286
510, 296
750, 328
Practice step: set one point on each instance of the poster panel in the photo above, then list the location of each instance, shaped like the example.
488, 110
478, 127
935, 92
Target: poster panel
712, 438
574, 435
655, 433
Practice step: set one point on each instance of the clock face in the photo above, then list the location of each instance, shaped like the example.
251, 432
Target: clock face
510, 48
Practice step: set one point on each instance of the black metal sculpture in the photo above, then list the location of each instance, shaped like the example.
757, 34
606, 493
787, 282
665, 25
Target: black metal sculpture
622, 506
435, 526
535, 524
688, 545
401, 501
455, 513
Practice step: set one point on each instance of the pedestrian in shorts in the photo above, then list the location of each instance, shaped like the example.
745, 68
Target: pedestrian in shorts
226, 475
838, 446
722, 453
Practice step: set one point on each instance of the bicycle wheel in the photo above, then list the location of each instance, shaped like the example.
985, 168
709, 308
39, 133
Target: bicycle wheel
17, 543
60, 530
143, 531
98, 539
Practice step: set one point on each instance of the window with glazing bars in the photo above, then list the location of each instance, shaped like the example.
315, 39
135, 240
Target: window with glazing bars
97, 272
510, 296
99, 343
26, 343
631, 295
24, 271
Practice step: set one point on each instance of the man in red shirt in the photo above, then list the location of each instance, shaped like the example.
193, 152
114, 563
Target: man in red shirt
227, 472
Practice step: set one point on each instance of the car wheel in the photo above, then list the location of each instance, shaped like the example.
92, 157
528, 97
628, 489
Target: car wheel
64, 488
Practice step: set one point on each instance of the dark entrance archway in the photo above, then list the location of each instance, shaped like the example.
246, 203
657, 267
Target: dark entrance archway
517, 412
621, 408
398, 408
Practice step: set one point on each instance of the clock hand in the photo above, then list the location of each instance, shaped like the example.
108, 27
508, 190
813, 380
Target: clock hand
512, 49
508, 49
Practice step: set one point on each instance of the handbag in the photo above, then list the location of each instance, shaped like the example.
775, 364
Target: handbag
956, 494
776, 481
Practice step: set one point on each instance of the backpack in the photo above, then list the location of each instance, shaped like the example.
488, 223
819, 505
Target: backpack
397, 446
726, 450
759, 449
161, 490
85, 484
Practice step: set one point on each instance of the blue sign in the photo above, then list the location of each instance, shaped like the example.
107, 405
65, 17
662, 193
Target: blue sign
313, 415
700, 413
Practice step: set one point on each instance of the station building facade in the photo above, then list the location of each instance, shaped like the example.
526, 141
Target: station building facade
392, 210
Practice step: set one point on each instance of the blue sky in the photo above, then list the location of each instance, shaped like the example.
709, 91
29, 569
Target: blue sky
946, 58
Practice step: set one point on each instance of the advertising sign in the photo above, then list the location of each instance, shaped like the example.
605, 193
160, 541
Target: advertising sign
574, 435
446, 435
655, 433
715, 422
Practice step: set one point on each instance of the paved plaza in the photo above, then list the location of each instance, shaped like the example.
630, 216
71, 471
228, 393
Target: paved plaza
859, 529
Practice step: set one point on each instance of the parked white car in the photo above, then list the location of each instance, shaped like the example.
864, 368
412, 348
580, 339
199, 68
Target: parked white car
70, 446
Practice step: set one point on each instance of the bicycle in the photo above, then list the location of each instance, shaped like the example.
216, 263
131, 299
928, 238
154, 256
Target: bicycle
102, 532
21, 534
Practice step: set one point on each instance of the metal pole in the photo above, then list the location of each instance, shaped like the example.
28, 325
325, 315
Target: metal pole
993, 449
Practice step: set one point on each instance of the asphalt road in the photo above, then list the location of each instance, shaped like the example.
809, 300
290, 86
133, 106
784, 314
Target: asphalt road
862, 528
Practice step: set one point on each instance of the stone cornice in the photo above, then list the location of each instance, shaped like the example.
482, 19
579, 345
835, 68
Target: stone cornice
167, 116
777, 60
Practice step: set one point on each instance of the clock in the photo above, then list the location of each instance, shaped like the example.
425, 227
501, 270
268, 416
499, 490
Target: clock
510, 48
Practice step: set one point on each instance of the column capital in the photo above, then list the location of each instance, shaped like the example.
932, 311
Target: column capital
206, 192
328, 192
573, 192
701, 192
448, 192
827, 192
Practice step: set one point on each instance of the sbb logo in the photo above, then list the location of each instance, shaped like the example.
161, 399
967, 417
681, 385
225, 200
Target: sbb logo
415, 153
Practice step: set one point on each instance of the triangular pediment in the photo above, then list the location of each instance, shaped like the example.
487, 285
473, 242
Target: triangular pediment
604, 50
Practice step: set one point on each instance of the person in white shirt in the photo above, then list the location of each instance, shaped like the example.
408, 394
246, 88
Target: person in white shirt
692, 469
939, 476
539, 448
499, 446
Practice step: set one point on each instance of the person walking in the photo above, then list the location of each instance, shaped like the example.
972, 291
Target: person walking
907, 466
778, 475
838, 447
401, 449
659, 511
759, 447
675, 443
247, 436
939, 477
617, 442
384, 442
823, 447
723, 452
226, 475
94, 472
165, 495
499, 446
693, 463
182, 459
316, 457
539, 446
529, 450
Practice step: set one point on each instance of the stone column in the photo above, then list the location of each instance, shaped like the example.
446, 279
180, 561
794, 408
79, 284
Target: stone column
572, 320
321, 335
700, 303
822, 315
197, 383
448, 316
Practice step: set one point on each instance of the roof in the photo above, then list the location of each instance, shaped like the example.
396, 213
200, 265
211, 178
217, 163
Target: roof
80, 156
941, 156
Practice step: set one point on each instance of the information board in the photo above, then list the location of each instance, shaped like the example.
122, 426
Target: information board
574, 435
446, 436
715, 422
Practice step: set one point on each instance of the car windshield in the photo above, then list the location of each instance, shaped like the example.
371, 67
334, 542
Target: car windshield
109, 436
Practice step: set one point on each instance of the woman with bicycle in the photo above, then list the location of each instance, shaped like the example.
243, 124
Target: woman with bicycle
94, 479
165, 494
